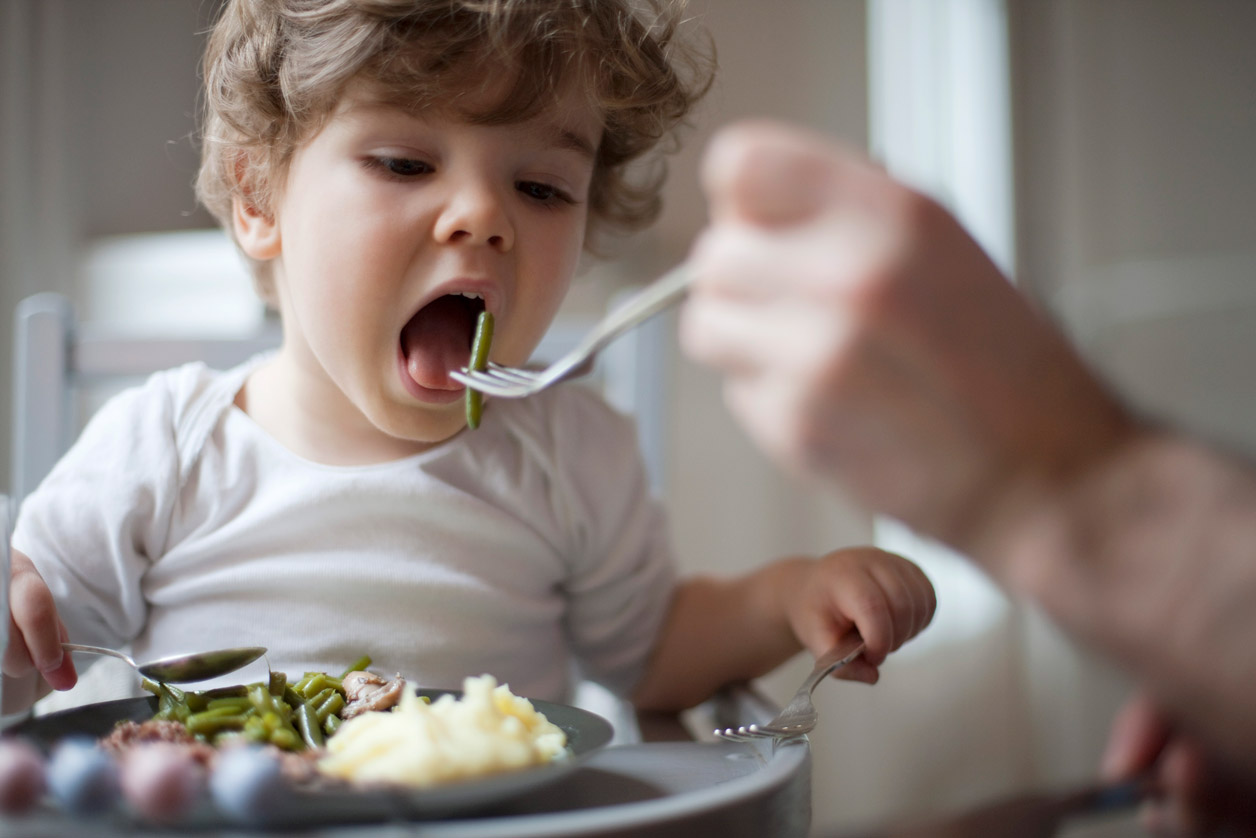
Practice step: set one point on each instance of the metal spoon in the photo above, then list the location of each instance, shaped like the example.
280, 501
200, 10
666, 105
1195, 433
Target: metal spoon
179, 669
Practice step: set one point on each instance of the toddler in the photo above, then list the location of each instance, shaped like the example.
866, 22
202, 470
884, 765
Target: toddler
390, 169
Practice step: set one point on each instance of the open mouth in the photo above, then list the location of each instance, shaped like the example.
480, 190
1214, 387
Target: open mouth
438, 339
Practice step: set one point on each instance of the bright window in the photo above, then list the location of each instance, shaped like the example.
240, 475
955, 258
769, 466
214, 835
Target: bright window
940, 120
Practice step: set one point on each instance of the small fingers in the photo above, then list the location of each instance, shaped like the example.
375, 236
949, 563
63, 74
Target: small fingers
884, 596
858, 670
905, 600
17, 661
64, 676
869, 608
922, 598
908, 598
36, 632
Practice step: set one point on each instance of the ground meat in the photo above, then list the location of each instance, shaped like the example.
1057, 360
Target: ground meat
128, 735
299, 768
366, 691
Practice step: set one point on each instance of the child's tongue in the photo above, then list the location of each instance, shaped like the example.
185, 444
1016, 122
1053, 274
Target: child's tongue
437, 340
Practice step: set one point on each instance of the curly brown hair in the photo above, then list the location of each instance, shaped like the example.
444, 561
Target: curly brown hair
274, 70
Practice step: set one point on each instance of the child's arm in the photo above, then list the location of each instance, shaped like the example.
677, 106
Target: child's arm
723, 631
34, 661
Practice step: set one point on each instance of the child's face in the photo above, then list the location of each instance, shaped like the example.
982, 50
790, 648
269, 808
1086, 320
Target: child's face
388, 220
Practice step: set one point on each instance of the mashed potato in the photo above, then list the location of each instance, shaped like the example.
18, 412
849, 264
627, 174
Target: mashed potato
488, 730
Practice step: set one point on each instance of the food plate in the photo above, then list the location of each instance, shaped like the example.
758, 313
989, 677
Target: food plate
586, 734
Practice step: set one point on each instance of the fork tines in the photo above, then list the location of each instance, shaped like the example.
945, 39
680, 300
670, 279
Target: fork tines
748, 733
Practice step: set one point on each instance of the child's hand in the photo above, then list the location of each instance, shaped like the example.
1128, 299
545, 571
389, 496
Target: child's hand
886, 597
35, 630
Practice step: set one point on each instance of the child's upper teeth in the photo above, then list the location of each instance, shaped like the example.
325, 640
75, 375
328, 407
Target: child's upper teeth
471, 295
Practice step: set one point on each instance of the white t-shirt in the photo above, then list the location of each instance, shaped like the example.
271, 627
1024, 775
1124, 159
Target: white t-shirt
176, 524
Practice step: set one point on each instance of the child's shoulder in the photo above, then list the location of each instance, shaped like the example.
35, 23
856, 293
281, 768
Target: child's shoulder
187, 389
180, 406
147, 434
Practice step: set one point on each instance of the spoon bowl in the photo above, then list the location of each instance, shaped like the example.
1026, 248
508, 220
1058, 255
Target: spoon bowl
182, 669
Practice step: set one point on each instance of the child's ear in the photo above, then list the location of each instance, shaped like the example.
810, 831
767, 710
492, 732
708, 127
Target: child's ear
257, 232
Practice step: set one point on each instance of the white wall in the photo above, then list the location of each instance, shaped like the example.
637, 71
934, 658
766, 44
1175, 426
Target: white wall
1138, 121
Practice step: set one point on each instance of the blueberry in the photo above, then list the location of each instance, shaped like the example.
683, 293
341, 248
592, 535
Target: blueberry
83, 778
247, 785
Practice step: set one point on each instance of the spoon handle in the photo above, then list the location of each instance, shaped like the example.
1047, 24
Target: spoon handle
96, 650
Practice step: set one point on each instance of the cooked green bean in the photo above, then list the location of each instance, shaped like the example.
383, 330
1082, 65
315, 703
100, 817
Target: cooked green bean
315, 685
237, 705
199, 700
320, 696
234, 691
479, 361
259, 697
224, 710
359, 665
307, 724
286, 738
334, 704
210, 723
255, 730
293, 715
172, 704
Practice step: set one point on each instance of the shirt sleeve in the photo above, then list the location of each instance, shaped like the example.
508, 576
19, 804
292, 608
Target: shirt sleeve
101, 515
622, 569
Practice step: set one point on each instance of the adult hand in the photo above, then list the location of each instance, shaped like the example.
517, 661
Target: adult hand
1197, 793
867, 338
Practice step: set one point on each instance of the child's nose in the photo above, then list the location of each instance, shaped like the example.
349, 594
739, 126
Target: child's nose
476, 216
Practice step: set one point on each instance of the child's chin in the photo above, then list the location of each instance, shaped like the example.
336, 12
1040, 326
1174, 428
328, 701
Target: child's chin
428, 426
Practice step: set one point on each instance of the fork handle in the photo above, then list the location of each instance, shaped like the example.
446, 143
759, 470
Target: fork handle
648, 302
843, 652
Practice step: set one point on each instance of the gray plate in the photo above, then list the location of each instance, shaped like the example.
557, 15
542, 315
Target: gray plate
586, 734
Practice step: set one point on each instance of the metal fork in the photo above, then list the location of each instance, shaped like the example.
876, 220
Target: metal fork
514, 383
799, 716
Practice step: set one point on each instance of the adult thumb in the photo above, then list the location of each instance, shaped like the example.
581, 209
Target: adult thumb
768, 173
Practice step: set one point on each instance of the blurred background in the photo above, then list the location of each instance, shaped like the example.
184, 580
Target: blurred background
1099, 150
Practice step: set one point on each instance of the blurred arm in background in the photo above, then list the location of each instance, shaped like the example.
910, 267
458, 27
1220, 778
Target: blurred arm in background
867, 339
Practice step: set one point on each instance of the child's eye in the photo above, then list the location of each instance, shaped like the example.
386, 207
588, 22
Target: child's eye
543, 192
400, 166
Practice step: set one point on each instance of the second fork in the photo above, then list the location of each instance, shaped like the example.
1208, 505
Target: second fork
799, 716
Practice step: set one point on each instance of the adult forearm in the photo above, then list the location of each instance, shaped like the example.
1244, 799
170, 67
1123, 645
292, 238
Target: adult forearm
1151, 557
